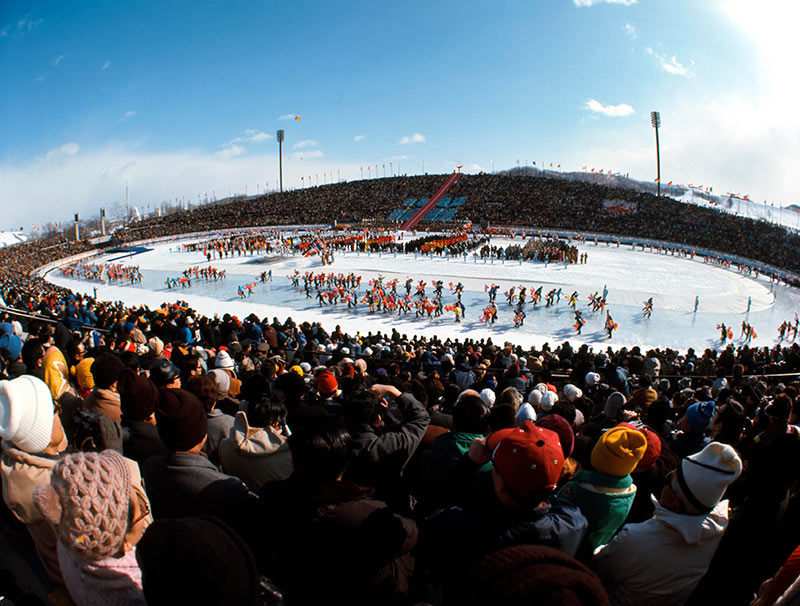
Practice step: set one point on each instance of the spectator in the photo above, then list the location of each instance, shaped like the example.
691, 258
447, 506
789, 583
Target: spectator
660, 561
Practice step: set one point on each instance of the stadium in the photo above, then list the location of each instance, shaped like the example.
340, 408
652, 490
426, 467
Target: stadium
339, 335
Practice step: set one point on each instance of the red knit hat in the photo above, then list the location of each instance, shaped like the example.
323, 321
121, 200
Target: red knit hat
653, 450
528, 458
327, 383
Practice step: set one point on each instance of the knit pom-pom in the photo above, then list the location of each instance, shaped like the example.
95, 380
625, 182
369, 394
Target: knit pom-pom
46, 499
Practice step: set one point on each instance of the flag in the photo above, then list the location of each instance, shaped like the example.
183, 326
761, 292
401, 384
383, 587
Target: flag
559, 166
656, 180
584, 167
551, 165
297, 118
670, 183
534, 163
592, 169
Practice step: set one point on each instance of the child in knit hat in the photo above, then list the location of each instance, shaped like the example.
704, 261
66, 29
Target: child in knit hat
98, 519
605, 495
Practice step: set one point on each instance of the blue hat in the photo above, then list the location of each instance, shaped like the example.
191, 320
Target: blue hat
10, 346
699, 416
6, 328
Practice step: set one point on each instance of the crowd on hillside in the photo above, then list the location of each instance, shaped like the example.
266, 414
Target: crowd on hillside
494, 199
161, 457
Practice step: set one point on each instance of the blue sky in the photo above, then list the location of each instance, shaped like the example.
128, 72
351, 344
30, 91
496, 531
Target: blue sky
182, 99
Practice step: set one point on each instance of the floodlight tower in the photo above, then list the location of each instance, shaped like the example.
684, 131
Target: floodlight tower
280, 157
655, 120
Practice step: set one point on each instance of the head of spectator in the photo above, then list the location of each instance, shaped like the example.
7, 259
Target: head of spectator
138, 397
527, 462
83, 376
558, 424
181, 421
653, 450
27, 416
471, 415
106, 369
530, 574
614, 403
327, 385
618, 451
698, 417
321, 450
700, 481
197, 561
165, 374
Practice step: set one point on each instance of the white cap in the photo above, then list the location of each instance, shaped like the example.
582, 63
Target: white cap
548, 400
224, 360
488, 397
26, 413
535, 397
542, 387
591, 379
571, 392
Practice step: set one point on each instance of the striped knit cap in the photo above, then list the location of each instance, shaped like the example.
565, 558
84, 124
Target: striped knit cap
87, 501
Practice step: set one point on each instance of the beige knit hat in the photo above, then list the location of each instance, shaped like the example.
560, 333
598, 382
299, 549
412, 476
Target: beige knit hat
87, 501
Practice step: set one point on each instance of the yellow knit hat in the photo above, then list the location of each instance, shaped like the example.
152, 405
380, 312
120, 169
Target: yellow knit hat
83, 374
618, 451
296, 369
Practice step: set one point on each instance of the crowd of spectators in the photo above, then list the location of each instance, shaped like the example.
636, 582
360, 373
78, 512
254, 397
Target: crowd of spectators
158, 456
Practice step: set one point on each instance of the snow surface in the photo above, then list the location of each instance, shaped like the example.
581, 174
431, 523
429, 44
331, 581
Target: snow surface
7, 238
632, 276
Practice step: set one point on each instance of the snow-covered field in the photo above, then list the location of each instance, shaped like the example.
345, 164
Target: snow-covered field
631, 276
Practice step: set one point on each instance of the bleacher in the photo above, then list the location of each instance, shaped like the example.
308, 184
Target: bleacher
444, 211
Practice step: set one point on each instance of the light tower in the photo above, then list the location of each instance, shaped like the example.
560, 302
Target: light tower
280, 138
655, 120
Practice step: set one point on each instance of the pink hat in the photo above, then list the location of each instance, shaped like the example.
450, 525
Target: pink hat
87, 501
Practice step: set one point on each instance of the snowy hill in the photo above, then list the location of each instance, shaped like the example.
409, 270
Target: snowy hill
7, 238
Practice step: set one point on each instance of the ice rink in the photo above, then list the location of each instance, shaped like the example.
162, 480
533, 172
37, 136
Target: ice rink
631, 277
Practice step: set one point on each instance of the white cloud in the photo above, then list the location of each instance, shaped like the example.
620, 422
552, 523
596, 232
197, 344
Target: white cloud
671, 65
59, 154
303, 155
105, 66
40, 78
287, 116
34, 191
612, 111
415, 138
58, 60
400, 158
128, 114
256, 136
593, 2
305, 143
358, 138
476, 166
631, 30
26, 24
231, 151
4, 31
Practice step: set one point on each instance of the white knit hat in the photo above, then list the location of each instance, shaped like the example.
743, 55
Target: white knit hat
548, 400
224, 360
591, 379
704, 476
26, 413
571, 392
542, 387
488, 397
535, 397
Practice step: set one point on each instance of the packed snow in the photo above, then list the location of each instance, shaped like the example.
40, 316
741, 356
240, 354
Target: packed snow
630, 275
